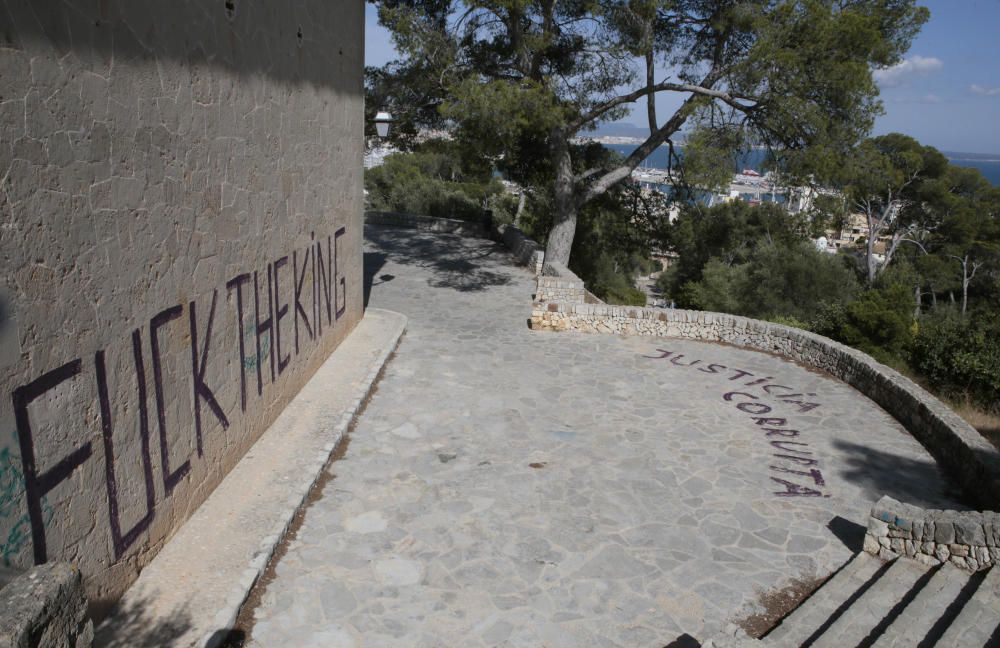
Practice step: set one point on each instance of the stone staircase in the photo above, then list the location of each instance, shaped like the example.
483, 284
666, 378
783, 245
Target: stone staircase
901, 603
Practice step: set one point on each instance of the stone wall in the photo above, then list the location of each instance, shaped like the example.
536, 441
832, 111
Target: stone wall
427, 223
180, 229
558, 284
971, 460
45, 608
967, 539
526, 251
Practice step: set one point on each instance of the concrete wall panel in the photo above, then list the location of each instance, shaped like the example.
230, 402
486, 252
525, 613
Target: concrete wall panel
180, 239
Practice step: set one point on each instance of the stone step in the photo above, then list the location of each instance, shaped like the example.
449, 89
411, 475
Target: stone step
810, 617
931, 603
978, 624
875, 607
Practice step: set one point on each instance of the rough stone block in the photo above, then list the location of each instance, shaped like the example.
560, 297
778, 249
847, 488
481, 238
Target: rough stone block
925, 559
969, 532
45, 608
944, 532
871, 544
958, 550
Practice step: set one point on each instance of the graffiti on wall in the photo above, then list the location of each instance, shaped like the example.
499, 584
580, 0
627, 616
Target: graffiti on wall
273, 327
11, 512
795, 467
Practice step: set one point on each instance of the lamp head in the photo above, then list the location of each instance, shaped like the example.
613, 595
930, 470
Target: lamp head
383, 122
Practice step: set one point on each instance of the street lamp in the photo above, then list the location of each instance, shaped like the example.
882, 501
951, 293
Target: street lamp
383, 121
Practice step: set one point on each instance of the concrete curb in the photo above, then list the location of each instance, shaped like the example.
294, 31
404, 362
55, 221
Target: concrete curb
222, 536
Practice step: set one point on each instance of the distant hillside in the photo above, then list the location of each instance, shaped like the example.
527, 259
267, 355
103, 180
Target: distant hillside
972, 157
619, 129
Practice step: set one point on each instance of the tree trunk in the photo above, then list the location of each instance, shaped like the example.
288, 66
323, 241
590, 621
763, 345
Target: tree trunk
520, 207
870, 256
564, 219
917, 298
965, 290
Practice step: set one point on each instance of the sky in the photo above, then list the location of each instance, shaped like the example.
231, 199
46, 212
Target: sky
945, 93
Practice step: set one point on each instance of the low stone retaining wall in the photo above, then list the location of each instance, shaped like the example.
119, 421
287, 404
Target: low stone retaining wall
967, 539
526, 251
45, 608
968, 458
558, 284
426, 223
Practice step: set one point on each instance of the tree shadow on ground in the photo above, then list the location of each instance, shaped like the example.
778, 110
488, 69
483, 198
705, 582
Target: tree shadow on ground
684, 641
138, 625
920, 482
460, 263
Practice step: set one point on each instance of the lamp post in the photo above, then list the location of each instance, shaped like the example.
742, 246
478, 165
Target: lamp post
383, 122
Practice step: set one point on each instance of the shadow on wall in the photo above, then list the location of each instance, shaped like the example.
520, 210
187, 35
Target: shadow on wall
883, 473
287, 41
450, 267
137, 626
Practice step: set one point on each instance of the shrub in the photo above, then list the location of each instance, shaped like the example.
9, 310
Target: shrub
960, 359
880, 323
430, 182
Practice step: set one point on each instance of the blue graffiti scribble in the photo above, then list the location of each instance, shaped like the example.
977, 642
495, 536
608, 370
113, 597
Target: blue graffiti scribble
11, 495
250, 344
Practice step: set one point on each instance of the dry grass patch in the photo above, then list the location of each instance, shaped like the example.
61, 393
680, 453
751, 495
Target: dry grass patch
987, 424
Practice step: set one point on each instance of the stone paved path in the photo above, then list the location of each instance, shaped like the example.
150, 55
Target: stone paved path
515, 488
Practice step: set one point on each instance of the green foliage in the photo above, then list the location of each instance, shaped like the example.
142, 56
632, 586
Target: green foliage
880, 323
730, 232
432, 181
612, 284
719, 289
775, 281
614, 237
518, 79
960, 358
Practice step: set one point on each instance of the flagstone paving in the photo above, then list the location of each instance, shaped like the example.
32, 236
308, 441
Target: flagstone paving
507, 487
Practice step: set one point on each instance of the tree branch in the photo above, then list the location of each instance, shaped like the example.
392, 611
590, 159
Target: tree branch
655, 138
695, 90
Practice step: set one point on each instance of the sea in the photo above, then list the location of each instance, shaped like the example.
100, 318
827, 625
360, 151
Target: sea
988, 165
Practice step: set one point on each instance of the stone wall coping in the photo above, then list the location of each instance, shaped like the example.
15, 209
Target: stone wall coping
957, 446
45, 607
967, 539
525, 250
